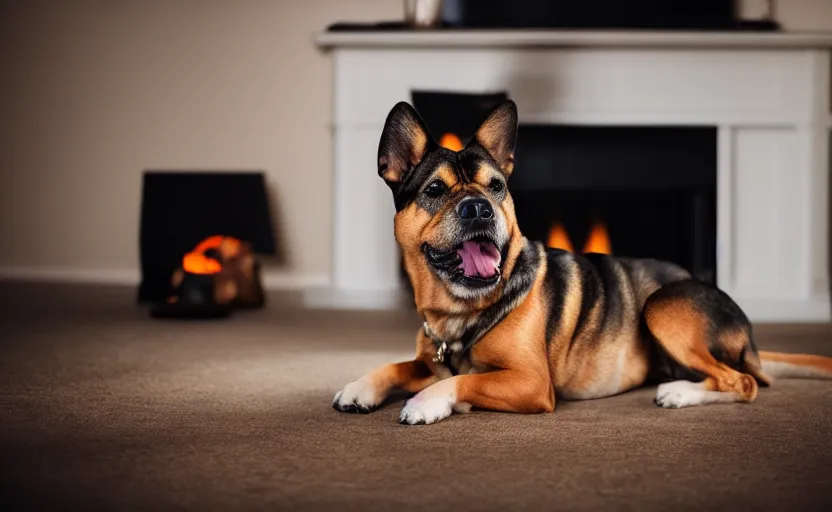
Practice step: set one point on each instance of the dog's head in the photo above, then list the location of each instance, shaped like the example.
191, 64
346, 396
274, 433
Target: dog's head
455, 219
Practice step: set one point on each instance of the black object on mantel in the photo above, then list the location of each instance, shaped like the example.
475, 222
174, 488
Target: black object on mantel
598, 14
381, 26
582, 14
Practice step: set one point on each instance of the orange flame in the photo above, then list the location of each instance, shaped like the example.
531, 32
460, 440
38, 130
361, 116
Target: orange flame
451, 141
196, 262
559, 239
599, 240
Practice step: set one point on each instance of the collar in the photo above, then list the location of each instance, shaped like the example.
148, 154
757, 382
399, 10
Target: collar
445, 348
441, 346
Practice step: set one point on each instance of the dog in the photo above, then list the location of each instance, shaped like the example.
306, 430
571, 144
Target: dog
509, 325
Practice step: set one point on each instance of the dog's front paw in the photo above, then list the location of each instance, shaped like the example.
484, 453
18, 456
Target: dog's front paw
679, 394
429, 406
359, 396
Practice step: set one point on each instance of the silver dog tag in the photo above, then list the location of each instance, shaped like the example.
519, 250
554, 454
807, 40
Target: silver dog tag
439, 357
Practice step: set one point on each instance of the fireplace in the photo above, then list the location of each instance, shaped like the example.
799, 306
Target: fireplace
198, 231
630, 191
746, 204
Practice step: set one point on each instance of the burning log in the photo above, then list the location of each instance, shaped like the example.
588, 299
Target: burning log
220, 274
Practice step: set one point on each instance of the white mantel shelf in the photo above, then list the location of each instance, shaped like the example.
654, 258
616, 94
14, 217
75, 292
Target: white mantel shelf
572, 39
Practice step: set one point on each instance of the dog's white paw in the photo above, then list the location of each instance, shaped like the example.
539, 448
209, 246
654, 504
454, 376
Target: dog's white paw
359, 396
435, 403
680, 393
683, 393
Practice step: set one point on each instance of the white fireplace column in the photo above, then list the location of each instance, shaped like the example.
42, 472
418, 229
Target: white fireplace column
767, 94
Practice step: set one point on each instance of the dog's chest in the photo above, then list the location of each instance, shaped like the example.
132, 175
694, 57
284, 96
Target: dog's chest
458, 363
453, 328
451, 348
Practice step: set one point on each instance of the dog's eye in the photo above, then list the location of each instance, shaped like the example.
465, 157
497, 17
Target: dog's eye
435, 189
496, 185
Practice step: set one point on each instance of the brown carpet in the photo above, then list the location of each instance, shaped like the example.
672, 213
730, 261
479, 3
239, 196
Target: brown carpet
103, 408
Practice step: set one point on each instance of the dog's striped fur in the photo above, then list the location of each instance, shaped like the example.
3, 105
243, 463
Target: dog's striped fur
554, 323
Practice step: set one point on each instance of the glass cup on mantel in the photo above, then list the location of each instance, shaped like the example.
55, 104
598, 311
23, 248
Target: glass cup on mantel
423, 13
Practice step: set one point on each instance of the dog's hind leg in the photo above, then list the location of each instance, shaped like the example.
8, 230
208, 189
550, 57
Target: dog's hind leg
691, 322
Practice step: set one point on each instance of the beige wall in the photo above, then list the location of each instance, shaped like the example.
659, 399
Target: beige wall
799, 15
94, 92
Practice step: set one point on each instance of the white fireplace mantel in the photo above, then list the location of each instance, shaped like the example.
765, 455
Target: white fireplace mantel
767, 94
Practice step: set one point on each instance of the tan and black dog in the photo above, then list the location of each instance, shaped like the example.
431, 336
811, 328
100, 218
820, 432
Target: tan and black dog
509, 324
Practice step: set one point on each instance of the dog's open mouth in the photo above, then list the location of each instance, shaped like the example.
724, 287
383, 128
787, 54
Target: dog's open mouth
475, 263
479, 259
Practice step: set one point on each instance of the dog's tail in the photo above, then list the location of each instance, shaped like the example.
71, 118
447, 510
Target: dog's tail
796, 366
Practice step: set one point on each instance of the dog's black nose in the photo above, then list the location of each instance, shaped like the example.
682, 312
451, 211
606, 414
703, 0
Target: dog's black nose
475, 208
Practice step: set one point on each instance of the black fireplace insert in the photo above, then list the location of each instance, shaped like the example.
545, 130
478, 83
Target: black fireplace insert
631, 191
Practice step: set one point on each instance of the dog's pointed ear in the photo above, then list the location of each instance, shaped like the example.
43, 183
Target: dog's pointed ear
404, 142
498, 135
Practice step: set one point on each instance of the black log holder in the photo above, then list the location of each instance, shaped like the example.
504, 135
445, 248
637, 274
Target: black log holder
193, 298
218, 276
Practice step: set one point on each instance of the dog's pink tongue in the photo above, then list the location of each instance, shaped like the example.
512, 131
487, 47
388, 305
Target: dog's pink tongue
479, 259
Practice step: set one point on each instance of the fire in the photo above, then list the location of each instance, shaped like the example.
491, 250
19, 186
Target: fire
559, 238
598, 240
451, 141
197, 262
